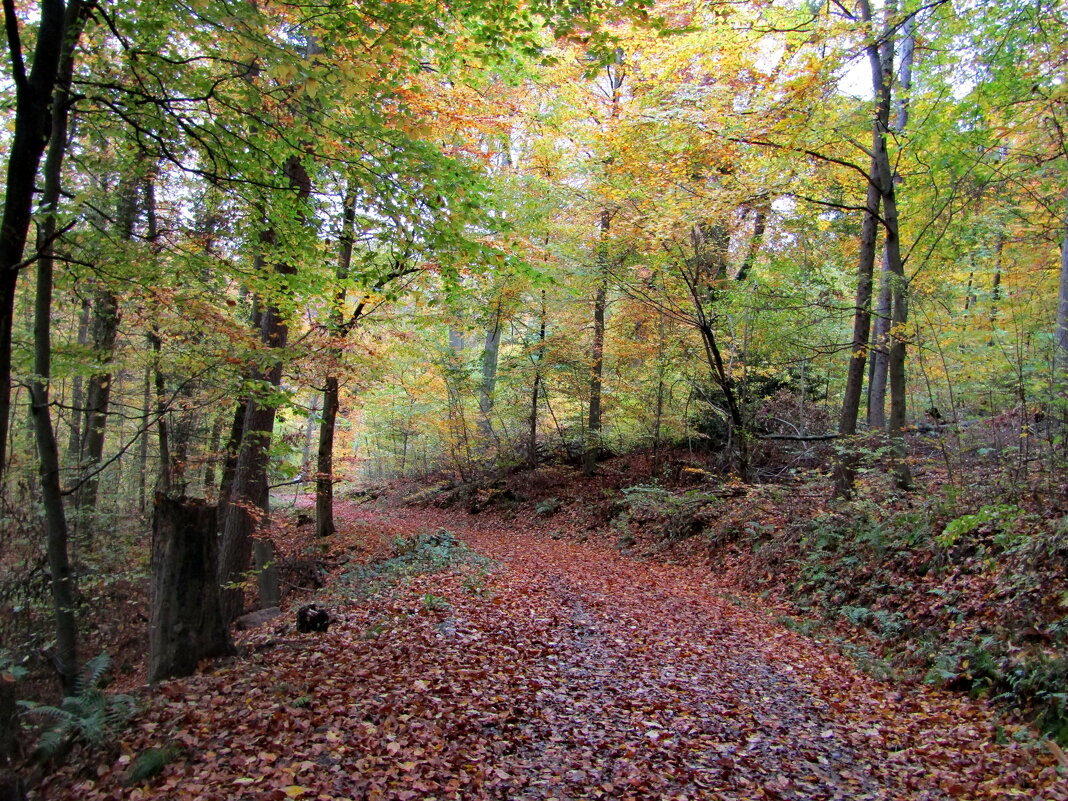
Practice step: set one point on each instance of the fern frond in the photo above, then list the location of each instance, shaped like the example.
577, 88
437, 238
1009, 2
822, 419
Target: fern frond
92, 672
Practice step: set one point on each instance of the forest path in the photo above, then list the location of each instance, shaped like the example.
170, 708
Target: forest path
643, 680
560, 671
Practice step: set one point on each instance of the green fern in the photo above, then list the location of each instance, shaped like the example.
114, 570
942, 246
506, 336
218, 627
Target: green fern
90, 715
151, 762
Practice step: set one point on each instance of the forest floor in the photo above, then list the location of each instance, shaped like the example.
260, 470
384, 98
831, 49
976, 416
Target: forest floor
512, 664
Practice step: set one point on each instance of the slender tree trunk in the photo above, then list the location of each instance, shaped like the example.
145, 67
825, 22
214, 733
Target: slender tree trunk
592, 450
1062, 310
324, 478
229, 467
104, 330
760, 222
532, 429
880, 57
880, 360
62, 579
490, 355
33, 126
324, 465
142, 445
77, 402
214, 442
846, 464
880, 352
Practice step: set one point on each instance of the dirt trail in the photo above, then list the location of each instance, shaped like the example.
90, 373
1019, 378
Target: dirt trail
569, 672
680, 692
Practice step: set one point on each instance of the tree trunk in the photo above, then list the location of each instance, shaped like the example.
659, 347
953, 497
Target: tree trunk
324, 477
882, 67
62, 580
532, 431
249, 496
56, 32
1062, 311
846, 464
212, 460
77, 397
880, 360
104, 329
880, 352
186, 623
142, 445
490, 355
592, 451
324, 464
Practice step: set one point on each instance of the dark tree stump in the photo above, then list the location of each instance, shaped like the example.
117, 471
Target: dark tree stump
186, 622
9, 724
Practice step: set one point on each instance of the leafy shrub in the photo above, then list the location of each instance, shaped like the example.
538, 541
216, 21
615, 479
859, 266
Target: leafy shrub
666, 515
997, 516
89, 715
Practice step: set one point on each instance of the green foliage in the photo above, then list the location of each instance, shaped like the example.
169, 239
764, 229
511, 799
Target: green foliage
997, 516
665, 514
435, 603
90, 715
549, 506
418, 555
151, 762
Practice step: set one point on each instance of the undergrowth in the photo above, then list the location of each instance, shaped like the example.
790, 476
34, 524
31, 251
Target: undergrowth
421, 554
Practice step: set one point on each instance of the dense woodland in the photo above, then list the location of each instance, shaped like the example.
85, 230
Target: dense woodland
256, 249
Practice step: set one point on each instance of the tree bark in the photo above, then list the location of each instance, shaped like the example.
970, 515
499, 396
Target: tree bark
1062, 310
490, 357
324, 464
846, 464
592, 451
33, 127
62, 579
249, 496
186, 623
103, 329
532, 426
880, 359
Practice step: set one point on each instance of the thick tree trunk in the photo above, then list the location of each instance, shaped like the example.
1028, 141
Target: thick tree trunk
248, 503
33, 126
186, 623
248, 497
